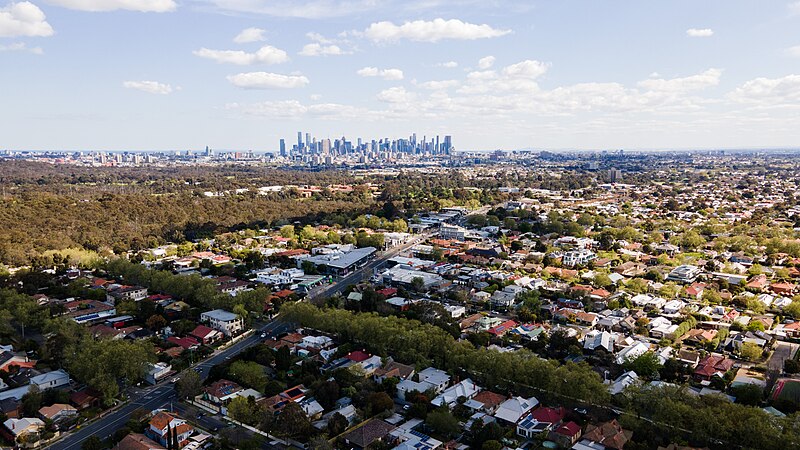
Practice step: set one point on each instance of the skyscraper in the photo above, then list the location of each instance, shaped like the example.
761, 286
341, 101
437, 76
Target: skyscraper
299, 140
283, 148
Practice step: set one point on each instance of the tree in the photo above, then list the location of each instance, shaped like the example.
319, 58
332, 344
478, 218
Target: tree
748, 394
327, 393
189, 385
645, 365
750, 351
287, 231
443, 422
292, 421
283, 359
156, 322
248, 373
92, 443
492, 445
379, 402
32, 401
243, 410
337, 424
418, 284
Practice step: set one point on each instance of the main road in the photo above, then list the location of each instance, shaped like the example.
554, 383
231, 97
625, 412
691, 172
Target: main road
163, 393
368, 269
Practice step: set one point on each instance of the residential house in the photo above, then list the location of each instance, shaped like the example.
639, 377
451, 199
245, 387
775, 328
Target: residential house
118, 293
158, 372
712, 365
623, 381
576, 258
25, 430
427, 379
9, 359
223, 321
58, 412
684, 274
370, 432
163, 423
610, 435
596, 339
566, 435
449, 397
51, 380
540, 420
138, 441
515, 408
206, 335
486, 401
393, 369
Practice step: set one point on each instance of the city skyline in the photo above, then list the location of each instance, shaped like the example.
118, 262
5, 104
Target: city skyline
159, 75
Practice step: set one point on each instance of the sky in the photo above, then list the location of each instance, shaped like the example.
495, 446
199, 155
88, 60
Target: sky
494, 74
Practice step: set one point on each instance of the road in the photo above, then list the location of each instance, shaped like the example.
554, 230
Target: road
783, 351
162, 394
367, 271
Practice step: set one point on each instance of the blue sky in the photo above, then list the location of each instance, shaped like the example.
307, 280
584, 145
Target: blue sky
240, 74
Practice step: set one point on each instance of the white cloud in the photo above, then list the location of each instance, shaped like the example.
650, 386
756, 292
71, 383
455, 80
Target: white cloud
794, 52
794, 8
306, 9
113, 5
431, 31
294, 109
265, 55
317, 49
151, 87
23, 19
267, 80
448, 64
386, 74
439, 85
21, 47
769, 92
316, 37
248, 35
709, 78
699, 32
396, 95
486, 62
526, 69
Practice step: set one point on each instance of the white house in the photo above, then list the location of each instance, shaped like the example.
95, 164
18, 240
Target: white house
450, 396
577, 258
157, 372
515, 408
50, 380
223, 321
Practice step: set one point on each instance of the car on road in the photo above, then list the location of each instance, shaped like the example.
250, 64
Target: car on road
175, 380
263, 334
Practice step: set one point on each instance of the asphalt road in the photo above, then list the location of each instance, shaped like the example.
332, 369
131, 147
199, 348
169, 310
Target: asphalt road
367, 271
162, 394
783, 351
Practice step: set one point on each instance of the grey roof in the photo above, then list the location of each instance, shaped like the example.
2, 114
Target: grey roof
221, 315
342, 260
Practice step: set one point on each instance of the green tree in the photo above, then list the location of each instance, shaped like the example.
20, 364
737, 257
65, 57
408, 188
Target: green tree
287, 231
292, 421
248, 373
243, 409
443, 422
337, 425
189, 385
93, 443
379, 402
750, 351
492, 445
645, 365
